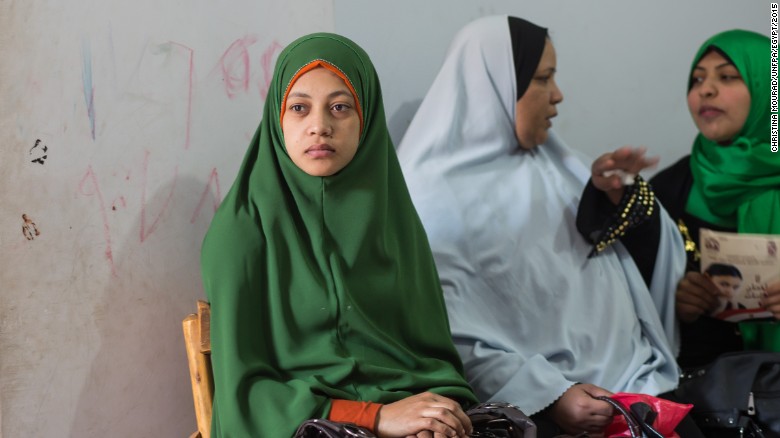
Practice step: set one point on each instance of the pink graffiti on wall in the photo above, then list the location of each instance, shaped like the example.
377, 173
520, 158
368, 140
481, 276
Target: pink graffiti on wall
144, 232
88, 186
213, 181
190, 76
267, 64
236, 66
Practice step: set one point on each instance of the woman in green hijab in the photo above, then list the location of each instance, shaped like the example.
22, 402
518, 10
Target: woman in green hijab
324, 296
729, 182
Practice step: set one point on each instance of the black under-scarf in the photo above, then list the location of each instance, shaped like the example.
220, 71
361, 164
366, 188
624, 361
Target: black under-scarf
528, 42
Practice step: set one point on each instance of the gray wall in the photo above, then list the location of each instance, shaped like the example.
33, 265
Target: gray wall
622, 64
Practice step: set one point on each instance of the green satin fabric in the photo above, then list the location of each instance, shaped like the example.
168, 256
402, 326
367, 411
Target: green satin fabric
322, 288
738, 185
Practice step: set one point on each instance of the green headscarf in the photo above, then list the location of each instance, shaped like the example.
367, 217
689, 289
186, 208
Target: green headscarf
738, 185
322, 288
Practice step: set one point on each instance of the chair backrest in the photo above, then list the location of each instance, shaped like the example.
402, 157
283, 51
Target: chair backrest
197, 339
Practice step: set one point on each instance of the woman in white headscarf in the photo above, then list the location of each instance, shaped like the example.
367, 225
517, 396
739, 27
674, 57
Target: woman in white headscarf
542, 316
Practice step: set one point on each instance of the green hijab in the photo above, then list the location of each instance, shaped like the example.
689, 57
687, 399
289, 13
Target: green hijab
738, 185
322, 288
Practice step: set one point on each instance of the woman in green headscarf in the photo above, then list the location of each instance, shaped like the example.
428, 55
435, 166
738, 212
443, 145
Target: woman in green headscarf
324, 296
730, 182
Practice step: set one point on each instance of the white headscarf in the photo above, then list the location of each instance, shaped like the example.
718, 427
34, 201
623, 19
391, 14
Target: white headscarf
531, 315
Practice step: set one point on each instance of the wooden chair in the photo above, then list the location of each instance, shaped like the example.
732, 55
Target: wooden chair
198, 342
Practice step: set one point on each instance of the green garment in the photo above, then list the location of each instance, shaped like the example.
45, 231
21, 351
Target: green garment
738, 185
322, 288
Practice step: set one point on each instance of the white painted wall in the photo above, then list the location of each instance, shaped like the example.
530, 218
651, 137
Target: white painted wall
622, 64
144, 131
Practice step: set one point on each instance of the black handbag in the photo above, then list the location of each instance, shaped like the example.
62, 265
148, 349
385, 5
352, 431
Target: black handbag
321, 428
489, 420
500, 420
737, 395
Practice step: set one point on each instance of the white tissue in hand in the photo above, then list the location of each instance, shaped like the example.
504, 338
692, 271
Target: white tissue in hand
626, 178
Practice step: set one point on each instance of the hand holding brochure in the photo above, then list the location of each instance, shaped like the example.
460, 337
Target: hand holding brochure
742, 265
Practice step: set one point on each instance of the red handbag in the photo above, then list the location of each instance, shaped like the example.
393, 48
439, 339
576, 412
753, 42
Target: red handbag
642, 415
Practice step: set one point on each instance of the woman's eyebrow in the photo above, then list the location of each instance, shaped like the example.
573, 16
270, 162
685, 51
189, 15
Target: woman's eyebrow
725, 64
299, 94
330, 96
340, 93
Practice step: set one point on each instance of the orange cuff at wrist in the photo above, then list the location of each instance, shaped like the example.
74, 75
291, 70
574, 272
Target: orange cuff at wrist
361, 413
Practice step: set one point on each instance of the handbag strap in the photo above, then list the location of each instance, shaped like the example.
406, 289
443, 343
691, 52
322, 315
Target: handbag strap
645, 416
637, 427
507, 417
633, 427
322, 428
